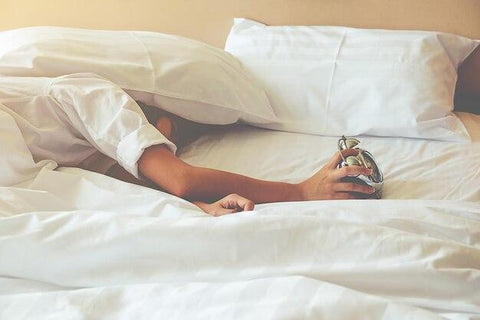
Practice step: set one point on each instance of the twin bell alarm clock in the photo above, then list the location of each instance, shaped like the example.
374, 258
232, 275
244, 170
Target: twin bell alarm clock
365, 159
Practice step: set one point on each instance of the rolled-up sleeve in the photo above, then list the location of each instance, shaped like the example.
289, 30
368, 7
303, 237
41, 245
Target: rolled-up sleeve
107, 117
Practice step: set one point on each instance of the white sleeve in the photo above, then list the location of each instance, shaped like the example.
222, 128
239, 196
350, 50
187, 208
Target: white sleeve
107, 117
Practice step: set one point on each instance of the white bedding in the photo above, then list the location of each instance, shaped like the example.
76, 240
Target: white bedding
413, 168
102, 248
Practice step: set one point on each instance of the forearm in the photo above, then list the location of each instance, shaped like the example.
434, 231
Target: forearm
194, 183
171, 174
209, 184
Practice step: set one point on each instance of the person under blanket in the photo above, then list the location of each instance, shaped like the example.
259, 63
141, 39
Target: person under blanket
75, 119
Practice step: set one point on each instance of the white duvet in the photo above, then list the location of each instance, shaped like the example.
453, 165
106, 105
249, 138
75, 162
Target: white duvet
78, 245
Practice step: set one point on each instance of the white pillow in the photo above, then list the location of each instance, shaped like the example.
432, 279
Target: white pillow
336, 80
186, 77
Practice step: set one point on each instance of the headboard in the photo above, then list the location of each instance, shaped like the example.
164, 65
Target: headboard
210, 20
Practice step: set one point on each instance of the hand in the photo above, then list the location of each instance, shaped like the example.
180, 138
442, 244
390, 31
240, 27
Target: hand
327, 183
229, 204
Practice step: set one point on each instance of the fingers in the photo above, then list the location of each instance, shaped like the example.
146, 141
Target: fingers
247, 205
344, 196
235, 201
350, 171
222, 211
353, 187
229, 204
337, 158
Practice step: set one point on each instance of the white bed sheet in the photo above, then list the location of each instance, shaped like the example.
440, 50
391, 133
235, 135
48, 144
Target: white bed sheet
413, 168
101, 248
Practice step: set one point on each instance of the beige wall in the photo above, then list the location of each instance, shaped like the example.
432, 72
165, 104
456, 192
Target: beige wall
210, 20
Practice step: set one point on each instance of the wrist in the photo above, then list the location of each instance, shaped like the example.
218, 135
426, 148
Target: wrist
202, 205
302, 191
297, 192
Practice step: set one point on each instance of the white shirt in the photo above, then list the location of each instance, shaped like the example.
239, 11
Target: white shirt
70, 119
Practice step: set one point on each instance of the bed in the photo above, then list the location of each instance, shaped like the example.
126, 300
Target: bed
76, 244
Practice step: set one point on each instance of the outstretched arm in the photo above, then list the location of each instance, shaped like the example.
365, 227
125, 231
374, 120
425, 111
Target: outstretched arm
164, 170
170, 173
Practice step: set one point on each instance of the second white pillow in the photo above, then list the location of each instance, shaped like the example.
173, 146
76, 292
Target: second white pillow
337, 80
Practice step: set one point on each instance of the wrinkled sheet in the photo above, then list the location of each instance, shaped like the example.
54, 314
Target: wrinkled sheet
78, 245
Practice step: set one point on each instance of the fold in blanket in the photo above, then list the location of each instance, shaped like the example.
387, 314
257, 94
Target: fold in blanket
136, 242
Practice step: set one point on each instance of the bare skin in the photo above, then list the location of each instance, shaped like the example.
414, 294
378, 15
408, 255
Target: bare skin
177, 177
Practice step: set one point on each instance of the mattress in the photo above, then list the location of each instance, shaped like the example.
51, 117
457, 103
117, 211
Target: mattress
102, 248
